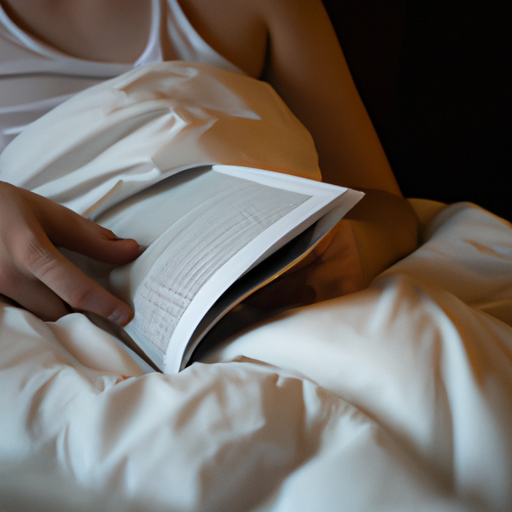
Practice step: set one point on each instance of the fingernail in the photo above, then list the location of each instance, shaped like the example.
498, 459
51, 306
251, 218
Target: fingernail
121, 317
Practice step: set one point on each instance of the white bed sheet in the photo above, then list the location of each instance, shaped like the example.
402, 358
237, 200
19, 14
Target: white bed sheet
398, 397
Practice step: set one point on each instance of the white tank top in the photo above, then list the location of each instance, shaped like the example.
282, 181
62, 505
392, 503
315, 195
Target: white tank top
34, 77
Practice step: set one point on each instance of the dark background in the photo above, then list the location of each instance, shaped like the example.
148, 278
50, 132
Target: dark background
436, 78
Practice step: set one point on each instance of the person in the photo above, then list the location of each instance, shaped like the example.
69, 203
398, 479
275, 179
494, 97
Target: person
291, 44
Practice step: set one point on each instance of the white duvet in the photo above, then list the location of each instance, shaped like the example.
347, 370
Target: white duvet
398, 397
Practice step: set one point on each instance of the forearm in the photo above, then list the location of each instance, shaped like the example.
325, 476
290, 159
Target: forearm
385, 229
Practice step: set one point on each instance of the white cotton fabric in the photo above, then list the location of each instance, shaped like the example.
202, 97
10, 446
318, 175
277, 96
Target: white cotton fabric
395, 398
398, 397
130, 132
35, 77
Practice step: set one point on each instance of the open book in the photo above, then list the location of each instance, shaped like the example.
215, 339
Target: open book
220, 233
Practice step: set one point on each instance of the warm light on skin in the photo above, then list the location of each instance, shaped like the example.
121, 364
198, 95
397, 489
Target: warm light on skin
292, 45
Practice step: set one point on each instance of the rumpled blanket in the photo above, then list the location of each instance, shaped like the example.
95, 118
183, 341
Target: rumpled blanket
398, 397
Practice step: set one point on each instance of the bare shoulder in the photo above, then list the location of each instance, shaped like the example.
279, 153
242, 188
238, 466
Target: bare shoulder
237, 29
292, 45
244, 31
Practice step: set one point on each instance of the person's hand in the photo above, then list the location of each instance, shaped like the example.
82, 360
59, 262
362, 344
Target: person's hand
37, 276
332, 269
381, 229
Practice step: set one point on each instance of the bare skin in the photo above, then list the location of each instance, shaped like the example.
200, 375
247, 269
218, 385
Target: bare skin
290, 44
36, 275
108, 31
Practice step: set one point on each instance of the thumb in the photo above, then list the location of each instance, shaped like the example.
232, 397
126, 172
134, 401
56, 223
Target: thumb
74, 287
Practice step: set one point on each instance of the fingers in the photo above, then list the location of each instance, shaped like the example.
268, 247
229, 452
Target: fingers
332, 269
66, 228
66, 281
287, 291
33, 296
37, 276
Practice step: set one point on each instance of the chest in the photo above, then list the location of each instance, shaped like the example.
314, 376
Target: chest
118, 30
95, 30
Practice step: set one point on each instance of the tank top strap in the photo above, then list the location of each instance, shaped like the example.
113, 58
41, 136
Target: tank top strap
153, 51
182, 42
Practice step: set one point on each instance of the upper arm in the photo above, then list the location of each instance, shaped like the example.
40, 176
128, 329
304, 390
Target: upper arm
306, 66
295, 45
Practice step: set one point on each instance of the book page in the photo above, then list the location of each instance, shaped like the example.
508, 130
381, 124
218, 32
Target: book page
219, 214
